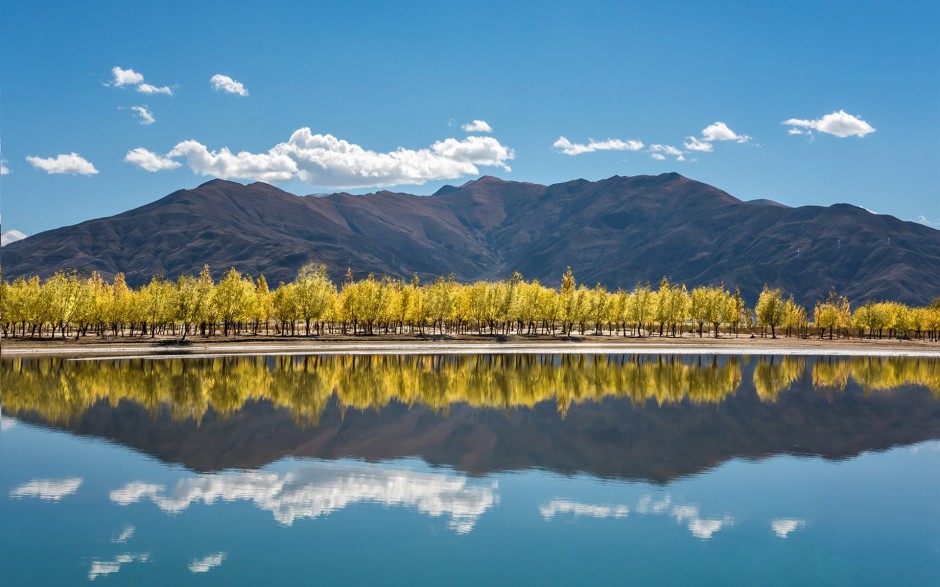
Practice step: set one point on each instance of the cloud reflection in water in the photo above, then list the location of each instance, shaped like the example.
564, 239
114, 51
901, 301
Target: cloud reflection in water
206, 563
314, 490
99, 568
47, 489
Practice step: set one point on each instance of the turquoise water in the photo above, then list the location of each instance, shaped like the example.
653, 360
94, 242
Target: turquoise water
122, 494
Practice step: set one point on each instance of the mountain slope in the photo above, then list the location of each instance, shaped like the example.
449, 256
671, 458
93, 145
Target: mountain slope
616, 231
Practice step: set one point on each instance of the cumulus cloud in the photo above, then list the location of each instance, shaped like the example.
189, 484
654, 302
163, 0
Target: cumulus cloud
99, 568
477, 126
47, 489
327, 161
129, 77
223, 83
206, 563
658, 156
561, 506
921, 219
840, 124
144, 114
569, 148
72, 163
693, 144
784, 526
270, 166
149, 160
125, 77
7, 237
719, 131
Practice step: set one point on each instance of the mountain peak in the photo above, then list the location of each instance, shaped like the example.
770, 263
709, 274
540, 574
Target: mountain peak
615, 231
220, 184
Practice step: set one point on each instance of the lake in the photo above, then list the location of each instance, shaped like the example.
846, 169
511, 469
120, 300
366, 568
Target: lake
471, 470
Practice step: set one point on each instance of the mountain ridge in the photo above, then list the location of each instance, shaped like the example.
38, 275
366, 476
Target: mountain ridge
617, 231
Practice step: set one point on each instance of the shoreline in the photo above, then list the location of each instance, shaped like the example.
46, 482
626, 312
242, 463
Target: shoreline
86, 349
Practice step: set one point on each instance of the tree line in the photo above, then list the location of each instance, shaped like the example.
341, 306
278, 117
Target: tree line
69, 304
61, 391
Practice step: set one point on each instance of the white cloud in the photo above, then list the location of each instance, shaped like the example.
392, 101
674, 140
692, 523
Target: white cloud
149, 89
149, 160
475, 151
48, 489
561, 506
921, 219
271, 166
315, 490
569, 148
693, 144
144, 113
719, 131
477, 126
125, 77
667, 149
129, 77
784, 526
206, 563
99, 568
840, 124
327, 161
223, 83
71, 163
659, 152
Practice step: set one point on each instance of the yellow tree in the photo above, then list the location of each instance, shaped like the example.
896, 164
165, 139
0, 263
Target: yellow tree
232, 299
770, 309
700, 306
263, 308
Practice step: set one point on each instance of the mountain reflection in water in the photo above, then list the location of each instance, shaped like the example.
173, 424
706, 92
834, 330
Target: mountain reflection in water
647, 417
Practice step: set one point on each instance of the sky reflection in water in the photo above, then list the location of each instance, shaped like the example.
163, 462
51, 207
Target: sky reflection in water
854, 508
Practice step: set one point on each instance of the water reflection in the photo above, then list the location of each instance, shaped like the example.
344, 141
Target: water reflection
104, 568
319, 489
784, 526
702, 528
47, 489
564, 506
60, 390
206, 563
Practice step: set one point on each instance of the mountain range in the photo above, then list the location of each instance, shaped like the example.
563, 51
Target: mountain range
617, 231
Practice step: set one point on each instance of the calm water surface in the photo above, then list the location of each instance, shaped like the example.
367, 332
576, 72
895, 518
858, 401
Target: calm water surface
469, 470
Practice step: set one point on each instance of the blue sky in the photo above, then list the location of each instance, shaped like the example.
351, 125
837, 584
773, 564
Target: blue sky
408, 75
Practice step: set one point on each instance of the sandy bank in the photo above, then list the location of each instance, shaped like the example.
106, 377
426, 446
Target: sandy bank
688, 345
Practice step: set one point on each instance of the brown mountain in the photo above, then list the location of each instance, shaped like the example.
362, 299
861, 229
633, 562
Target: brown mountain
616, 231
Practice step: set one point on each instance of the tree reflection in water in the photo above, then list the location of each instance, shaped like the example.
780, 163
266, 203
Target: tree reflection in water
60, 390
